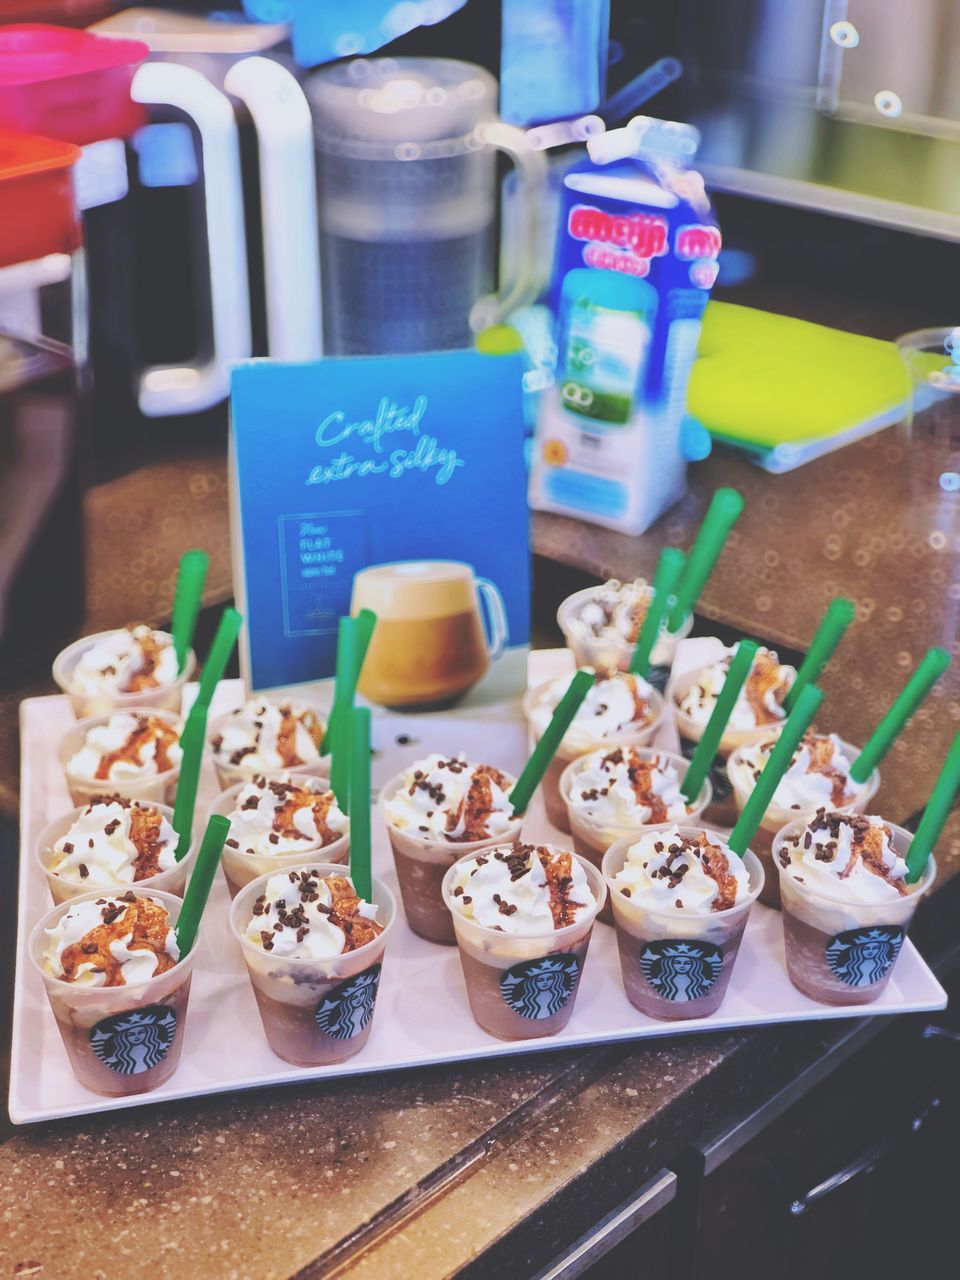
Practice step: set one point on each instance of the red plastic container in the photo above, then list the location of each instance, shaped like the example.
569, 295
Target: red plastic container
66, 84
38, 214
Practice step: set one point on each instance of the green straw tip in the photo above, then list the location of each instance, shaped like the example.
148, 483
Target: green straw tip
937, 659
728, 502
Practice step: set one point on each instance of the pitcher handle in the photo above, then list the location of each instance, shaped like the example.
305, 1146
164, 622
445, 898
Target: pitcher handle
532, 167
497, 611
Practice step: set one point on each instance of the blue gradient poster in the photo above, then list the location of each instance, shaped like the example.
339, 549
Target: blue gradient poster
345, 463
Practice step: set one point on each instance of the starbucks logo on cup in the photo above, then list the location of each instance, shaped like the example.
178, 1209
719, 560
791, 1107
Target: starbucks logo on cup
681, 970
133, 1042
861, 957
346, 1010
538, 989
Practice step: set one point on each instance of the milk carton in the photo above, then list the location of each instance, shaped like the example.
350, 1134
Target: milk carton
635, 260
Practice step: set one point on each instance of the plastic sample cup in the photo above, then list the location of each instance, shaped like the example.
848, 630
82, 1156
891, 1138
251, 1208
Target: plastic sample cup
422, 864
172, 881
838, 951
676, 964
120, 1040
722, 810
149, 788
314, 1012
612, 653
229, 775
592, 839
240, 867
576, 744
166, 697
523, 987
776, 817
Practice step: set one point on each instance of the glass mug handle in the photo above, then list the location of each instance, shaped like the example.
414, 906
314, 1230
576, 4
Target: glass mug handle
497, 617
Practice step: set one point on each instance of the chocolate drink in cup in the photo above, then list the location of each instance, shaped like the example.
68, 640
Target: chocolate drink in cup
314, 952
620, 709
278, 823
113, 670
135, 754
846, 903
757, 713
601, 625
523, 916
110, 844
117, 986
680, 898
266, 737
612, 793
437, 811
818, 776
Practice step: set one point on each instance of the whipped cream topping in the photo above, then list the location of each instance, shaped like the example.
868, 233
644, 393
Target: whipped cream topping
448, 798
303, 915
617, 703
126, 661
818, 775
279, 815
114, 841
131, 745
266, 737
522, 889
846, 856
625, 787
111, 942
759, 701
666, 871
614, 612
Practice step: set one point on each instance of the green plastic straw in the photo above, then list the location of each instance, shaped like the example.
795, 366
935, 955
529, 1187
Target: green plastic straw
703, 757
711, 537
546, 748
934, 664
353, 641
198, 890
840, 613
186, 602
669, 569
935, 815
797, 724
360, 802
337, 739
195, 730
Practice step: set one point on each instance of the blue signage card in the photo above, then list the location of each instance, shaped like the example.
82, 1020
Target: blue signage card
350, 462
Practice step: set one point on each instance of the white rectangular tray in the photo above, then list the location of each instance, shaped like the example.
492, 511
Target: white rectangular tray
422, 1016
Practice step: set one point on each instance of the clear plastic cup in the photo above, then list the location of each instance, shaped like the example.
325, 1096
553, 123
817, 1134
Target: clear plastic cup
422, 864
239, 868
592, 839
722, 810
676, 964
149, 788
523, 987
167, 697
314, 1012
777, 817
575, 745
607, 653
228, 775
120, 1040
837, 951
173, 881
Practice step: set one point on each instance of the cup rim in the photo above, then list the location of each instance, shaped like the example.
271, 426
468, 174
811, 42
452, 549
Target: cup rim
750, 860
246, 893
869, 787
599, 891
78, 646
919, 889
585, 593
704, 796
87, 723
462, 848
168, 899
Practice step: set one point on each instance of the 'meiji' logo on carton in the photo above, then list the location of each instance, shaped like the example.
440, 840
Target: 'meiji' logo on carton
644, 234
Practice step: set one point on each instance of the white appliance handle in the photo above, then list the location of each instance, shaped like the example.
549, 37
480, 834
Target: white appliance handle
166, 390
288, 200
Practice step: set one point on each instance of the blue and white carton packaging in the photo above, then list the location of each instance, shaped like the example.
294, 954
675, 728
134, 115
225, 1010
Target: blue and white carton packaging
635, 261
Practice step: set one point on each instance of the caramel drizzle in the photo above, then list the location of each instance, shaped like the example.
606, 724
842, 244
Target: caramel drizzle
148, 729
145, 838
145, 678
821, 753
147, 921
641, 708
640, 772
477, 807
558, 868
765, 677
299, 798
